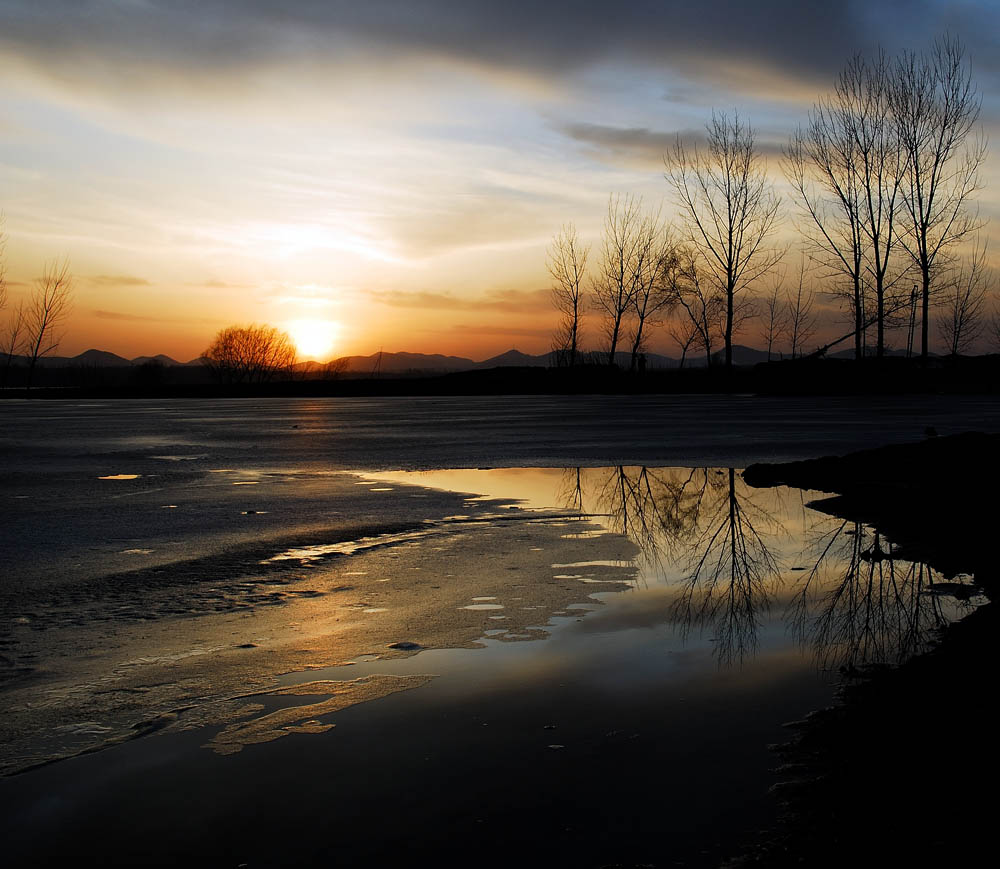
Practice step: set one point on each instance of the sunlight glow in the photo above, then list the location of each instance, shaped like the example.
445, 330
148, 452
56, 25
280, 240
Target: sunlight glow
314, 339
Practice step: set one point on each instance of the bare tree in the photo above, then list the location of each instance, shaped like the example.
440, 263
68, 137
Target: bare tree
250, 354
684, 332
567, 263
45, 313
821, 163
801, 320
703, 308
614, 286
655, 275
993, 327
936, 109
964, 309
864, 92
729, 208
774, 317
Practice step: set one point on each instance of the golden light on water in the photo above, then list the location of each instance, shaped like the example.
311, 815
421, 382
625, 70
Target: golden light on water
314, 339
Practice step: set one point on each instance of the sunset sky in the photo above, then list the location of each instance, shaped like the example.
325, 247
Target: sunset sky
392, 168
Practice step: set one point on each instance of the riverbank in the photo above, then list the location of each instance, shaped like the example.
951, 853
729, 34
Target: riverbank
893, 773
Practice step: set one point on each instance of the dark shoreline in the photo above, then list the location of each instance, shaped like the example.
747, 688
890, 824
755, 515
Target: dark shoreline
974, 375
892, 774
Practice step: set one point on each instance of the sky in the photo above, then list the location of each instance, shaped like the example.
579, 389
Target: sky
387, 174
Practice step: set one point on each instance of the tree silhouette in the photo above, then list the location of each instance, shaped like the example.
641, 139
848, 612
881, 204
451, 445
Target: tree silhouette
42, 318
964, 302
250, 354
567, 264
936, 107
730, 211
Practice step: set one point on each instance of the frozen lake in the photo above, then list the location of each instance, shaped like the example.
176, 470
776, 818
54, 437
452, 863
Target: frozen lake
328, 615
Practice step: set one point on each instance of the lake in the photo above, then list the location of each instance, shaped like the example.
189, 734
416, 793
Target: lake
522, 631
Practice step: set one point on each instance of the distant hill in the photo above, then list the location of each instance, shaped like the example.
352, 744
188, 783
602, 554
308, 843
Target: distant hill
159, 358
516, 359
404, 363
743, 355
87, 359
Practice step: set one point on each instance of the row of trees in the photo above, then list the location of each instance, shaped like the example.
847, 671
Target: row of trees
33, 327
883, 173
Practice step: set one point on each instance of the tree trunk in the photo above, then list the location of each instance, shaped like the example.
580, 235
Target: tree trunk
859, 319
729, 330
924, 310
880, 336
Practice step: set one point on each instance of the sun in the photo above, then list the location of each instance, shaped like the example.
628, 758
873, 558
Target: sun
314, 339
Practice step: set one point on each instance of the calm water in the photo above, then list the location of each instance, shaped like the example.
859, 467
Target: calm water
629, 727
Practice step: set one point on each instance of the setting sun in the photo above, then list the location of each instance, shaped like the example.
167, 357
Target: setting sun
313, 339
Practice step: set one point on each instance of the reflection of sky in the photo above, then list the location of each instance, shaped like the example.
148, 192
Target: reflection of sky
215, 159
790, 575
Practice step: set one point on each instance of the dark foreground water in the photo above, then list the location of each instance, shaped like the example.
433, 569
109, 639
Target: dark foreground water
625, 727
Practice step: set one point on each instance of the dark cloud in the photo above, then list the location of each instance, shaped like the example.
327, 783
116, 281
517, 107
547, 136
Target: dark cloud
642, 147
803, 39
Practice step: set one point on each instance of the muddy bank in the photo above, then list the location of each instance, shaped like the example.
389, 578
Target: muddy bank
893, 773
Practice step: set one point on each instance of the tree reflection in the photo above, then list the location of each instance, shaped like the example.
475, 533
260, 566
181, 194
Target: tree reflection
878, 609
704, 524
731, 572
718, 542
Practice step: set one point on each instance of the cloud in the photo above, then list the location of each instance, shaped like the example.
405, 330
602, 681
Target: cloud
131, 318
138, 318
119, 281
641, 147
177, 39
513, 331
501, 301
218, 285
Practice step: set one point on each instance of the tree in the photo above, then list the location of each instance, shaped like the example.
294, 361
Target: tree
655, 274
703, 308
43, 316
965, 303
567, 263
864, 94
821, 162
774, 318
730, 210
936, 107
801, 320
614, 286
250, 354
684, 331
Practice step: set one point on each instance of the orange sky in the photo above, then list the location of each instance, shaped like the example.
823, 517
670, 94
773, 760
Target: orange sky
379, 180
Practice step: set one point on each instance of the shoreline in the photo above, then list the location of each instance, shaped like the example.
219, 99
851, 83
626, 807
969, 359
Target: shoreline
859, 779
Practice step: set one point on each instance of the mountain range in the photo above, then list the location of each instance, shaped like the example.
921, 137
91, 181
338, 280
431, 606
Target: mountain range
413, 363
